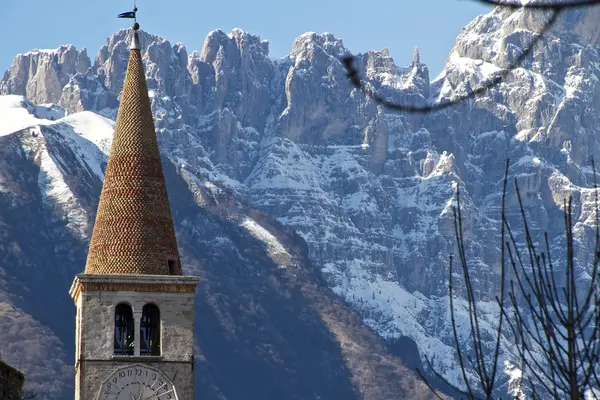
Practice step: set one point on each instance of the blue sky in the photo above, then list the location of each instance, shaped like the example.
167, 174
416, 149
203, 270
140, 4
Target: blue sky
399, 25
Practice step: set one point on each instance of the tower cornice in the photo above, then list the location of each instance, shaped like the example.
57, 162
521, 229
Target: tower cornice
133, 283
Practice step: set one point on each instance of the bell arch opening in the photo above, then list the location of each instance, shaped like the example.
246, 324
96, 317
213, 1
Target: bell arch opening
124, 330
150, 331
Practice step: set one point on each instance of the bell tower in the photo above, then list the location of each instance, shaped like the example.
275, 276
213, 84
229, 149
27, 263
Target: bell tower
135, 308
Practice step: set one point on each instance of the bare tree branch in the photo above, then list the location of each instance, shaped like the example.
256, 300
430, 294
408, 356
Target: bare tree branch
556, 329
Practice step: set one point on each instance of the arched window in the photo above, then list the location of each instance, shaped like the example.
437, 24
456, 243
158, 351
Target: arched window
150, 331
124, 330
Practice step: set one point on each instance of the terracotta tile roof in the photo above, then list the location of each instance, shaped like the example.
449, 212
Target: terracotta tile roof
134, 231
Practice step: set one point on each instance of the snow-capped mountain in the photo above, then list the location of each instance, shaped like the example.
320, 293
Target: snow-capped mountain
283, 163
269, 326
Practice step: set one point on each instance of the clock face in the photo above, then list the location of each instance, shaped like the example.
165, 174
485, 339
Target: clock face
137, 382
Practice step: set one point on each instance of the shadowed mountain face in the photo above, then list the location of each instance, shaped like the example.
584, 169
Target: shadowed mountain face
287, 184
267, 325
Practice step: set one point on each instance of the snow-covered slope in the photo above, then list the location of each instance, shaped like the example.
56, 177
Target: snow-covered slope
262, 303
17, 113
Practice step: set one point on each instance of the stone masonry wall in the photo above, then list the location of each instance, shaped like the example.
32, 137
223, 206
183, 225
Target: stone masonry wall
96, 338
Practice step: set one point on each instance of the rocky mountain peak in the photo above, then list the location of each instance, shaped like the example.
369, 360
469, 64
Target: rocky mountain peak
111, 60
239, 65
237, 41
561, 75
41, 74
314, 47
416, 58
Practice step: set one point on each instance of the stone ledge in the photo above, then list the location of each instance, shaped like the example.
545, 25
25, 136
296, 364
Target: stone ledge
138, 358
133, 283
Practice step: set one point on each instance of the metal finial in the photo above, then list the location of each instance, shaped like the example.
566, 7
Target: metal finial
135, 41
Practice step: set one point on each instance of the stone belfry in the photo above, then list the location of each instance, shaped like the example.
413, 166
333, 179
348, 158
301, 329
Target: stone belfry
135, 309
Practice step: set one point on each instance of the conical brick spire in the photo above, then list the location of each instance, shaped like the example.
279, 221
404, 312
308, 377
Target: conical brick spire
134, 231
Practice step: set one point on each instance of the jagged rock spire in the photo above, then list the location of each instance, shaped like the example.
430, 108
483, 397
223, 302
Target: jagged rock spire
416, 58
134, 231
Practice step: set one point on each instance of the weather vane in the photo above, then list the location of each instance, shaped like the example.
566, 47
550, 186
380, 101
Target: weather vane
131, 14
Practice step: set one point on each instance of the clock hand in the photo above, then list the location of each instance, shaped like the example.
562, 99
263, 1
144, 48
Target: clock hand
154, 391
147, 398
140, 393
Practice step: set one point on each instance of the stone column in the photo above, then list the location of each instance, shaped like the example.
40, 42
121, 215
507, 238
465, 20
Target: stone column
137, 319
